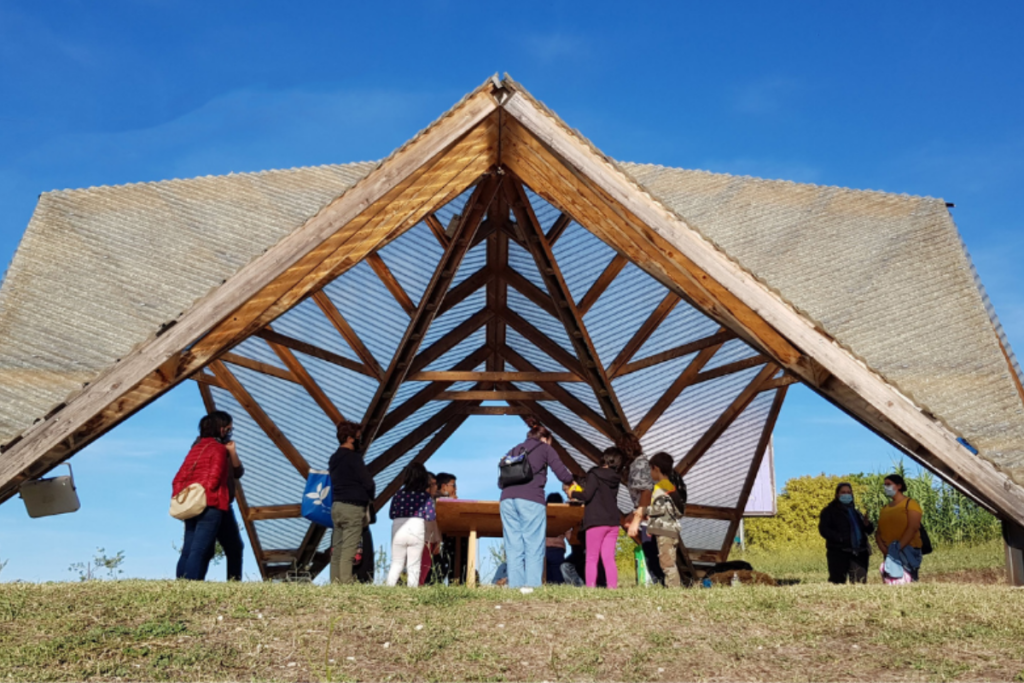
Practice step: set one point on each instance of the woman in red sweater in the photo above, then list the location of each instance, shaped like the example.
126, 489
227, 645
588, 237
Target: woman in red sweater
206, 464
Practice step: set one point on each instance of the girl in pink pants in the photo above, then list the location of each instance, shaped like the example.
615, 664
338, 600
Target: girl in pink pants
601, 547
601, 517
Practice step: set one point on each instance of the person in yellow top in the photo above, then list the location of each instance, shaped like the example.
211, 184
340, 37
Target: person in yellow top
899, 533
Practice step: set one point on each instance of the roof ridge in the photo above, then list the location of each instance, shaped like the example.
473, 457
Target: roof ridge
265, 171
784, 181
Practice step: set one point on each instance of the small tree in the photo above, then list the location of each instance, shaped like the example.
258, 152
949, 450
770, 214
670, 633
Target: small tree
89, 571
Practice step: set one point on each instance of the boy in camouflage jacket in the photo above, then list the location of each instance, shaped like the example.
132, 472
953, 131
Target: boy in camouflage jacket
668, 502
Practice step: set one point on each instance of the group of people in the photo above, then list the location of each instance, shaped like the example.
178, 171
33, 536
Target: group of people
899, 535
657, 494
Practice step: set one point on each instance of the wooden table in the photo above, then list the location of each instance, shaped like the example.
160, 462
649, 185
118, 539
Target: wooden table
476, 518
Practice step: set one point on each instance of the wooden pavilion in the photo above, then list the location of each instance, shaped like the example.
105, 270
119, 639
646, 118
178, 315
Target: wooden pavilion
498, 263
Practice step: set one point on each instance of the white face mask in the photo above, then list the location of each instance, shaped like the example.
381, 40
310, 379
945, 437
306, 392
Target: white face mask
890, 491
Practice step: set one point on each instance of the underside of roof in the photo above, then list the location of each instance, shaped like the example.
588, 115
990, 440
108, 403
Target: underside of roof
506, 269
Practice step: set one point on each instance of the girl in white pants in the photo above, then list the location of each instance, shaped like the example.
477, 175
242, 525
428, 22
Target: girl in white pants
414, 525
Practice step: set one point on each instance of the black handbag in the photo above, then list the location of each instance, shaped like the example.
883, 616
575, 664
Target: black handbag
515, 468
926, 541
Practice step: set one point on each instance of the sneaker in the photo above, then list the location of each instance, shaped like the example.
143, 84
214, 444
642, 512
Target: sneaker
526, 590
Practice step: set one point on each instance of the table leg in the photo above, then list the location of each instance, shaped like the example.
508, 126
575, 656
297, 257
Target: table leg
471, 560
457, 570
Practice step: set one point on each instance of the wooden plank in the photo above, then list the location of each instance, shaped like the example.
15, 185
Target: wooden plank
435, 443
250, 405
493, 396
709, 512
202, 378
544, 343
437, 228
250, 528
497, 290
602, 283
427, 394
755, 467
558, 227
685, 379
456, 295
275, 512
391, 282
535, 294
207, 396
554, 282
444, 273
728, 416
413, 438
654, 320
495, 410
730, 368
783, 381
676, 352
483, 376
257, 366
561, 395
308, 383
143, 375
278, 339
349, 334
450, 340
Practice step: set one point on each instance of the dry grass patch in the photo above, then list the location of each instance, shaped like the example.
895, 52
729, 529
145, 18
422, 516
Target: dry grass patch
202, 632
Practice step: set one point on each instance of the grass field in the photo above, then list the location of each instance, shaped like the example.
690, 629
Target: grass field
136, 630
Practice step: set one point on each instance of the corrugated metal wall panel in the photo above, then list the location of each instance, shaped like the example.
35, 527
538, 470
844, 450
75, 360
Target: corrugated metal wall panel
455, 316
621, 310
639, 391
350, 392
460, 351
684, 324
307, 322
523, 263
581, 257
552, 328
257, 349
377, 319
704, 534
527, 350
412, 258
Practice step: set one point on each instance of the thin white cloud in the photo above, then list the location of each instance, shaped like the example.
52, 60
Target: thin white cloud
773, 95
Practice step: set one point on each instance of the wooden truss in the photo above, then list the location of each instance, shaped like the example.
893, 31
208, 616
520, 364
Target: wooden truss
497, 213
496, 143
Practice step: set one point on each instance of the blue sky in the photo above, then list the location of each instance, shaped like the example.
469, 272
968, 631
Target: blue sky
917, 98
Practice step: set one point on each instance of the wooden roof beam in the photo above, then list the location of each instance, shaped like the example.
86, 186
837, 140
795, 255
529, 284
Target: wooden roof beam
250, 405
715, 339
535, 294
276, 338
493, 395
451, 339
497, 289
558, 228
685, 379
603, 281
433, 297
257, 366
544, 343
391, 282
649, 326
728, 416
298, 370
570, 317
347, 333
486, 376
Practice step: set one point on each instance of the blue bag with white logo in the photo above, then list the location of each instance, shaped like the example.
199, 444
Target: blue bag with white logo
316, 502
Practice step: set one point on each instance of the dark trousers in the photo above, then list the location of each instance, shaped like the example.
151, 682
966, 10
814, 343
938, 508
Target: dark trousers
649, 545
554, 557
365, 568
844, 565
197, 549
230, 539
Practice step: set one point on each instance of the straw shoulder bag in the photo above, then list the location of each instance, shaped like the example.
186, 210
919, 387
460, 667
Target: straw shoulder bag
191, 500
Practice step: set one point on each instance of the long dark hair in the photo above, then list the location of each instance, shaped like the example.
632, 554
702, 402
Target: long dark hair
611, 458
417, 479
211, 426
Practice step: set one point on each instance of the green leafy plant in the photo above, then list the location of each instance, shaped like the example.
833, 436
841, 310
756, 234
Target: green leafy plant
101, 562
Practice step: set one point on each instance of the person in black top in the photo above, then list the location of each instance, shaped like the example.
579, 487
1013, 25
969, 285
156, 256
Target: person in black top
846, 532
601, 517
353, 491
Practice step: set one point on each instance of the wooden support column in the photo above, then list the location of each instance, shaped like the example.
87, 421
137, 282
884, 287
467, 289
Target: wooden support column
728, 416
207, 396
401, 364
497, 289
570, 317
755, 467
250, 528
391, 282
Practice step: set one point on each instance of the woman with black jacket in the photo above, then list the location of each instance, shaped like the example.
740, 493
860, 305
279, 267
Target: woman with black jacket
601, 517
846, 532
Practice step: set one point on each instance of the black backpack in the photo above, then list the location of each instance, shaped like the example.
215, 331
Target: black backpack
514, 468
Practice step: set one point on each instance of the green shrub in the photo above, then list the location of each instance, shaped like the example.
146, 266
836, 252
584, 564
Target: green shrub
950, 517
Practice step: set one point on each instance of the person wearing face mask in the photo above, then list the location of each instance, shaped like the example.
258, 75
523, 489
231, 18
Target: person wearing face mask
353, 491
899, 533
846, 531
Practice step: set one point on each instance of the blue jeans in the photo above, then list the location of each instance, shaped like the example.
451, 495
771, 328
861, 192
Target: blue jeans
524, 524
231, 542
197, 549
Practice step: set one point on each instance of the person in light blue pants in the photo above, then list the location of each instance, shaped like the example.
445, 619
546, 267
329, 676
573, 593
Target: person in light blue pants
524, 517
